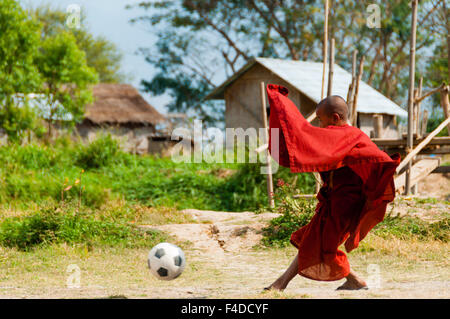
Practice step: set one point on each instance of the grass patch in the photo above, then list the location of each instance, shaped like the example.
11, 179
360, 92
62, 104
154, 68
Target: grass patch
51, 226
429, 200
99, 172
296, 212
407, 227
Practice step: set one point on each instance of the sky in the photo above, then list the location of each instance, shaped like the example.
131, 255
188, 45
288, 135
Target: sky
110, 19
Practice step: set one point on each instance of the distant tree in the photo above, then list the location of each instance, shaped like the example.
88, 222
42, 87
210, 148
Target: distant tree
200, 42
66, 77
438, 68
101, 54
19, 41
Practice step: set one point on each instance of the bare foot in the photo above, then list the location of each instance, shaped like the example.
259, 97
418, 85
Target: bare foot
277, 285
348, 285
353, 283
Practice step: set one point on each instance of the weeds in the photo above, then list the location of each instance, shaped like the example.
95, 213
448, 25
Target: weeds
52, 225
296, 213
407, 227
33, 174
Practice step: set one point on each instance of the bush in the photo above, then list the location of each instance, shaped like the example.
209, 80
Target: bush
295, 213
99, 153
53, 226
407, 227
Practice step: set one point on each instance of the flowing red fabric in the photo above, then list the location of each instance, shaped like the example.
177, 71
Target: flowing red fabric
362, 187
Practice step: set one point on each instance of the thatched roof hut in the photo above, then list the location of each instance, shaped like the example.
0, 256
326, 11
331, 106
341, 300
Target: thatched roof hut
120, 105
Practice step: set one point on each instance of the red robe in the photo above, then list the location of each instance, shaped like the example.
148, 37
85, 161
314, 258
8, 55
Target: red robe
362, 184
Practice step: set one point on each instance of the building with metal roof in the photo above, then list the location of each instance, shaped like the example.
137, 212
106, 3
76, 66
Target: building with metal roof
303, 79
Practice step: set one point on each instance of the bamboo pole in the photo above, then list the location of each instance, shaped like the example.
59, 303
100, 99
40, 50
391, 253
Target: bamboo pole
419, 93
412, 68
414, 128
423, 125
331, 69
325, 48
311, 117
416, 131
351, 89
420, 99
355, 97
266, 137
421, 145
378, 125
445, 104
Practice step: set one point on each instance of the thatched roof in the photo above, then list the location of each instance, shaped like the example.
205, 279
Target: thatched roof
120, 104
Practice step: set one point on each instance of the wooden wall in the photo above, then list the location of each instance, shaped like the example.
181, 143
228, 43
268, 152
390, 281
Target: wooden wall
243, 98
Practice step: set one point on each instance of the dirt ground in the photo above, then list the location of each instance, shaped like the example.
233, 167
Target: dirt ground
224, 260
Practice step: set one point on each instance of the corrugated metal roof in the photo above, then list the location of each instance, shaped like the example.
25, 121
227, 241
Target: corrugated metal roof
307, 78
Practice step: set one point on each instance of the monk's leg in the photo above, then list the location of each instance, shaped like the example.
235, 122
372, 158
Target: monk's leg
353, 282
282, 282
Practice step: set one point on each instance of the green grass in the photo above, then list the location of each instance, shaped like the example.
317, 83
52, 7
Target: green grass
297, 212
53, 226
407, 227
70, 192
100, 172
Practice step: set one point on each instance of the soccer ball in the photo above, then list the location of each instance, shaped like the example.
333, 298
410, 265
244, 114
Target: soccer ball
166, 261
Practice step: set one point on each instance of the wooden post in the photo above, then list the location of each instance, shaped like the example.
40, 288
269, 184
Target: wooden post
416, 122
438, 89
311, 117
325, 48
331, 69
414, 128
355, 97
351, 89
266, 137
412, 69
378, 125
446, 104
419, 93
421, 145
423, 125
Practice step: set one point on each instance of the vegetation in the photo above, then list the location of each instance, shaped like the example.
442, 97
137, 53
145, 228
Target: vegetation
51, 225
296, 213
196, 41
101, 55
409, 227
67, 77
33, 174
19, 41
40, 54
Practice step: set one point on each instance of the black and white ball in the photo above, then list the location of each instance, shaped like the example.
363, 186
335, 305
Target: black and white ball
166, 261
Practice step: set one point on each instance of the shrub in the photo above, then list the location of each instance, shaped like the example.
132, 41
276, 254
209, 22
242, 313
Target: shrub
295, 213
52, 226
98, 153
407, 227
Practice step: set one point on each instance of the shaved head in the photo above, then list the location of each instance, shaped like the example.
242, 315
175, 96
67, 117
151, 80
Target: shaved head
332, 110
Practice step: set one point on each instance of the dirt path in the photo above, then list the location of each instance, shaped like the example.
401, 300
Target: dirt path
226, 242
220, 233
222, 262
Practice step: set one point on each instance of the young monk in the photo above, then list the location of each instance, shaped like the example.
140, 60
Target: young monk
357, 186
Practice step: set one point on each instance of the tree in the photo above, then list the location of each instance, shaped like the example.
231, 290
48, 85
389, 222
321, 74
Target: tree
101, 54
66, 76
19, 40
202, 42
